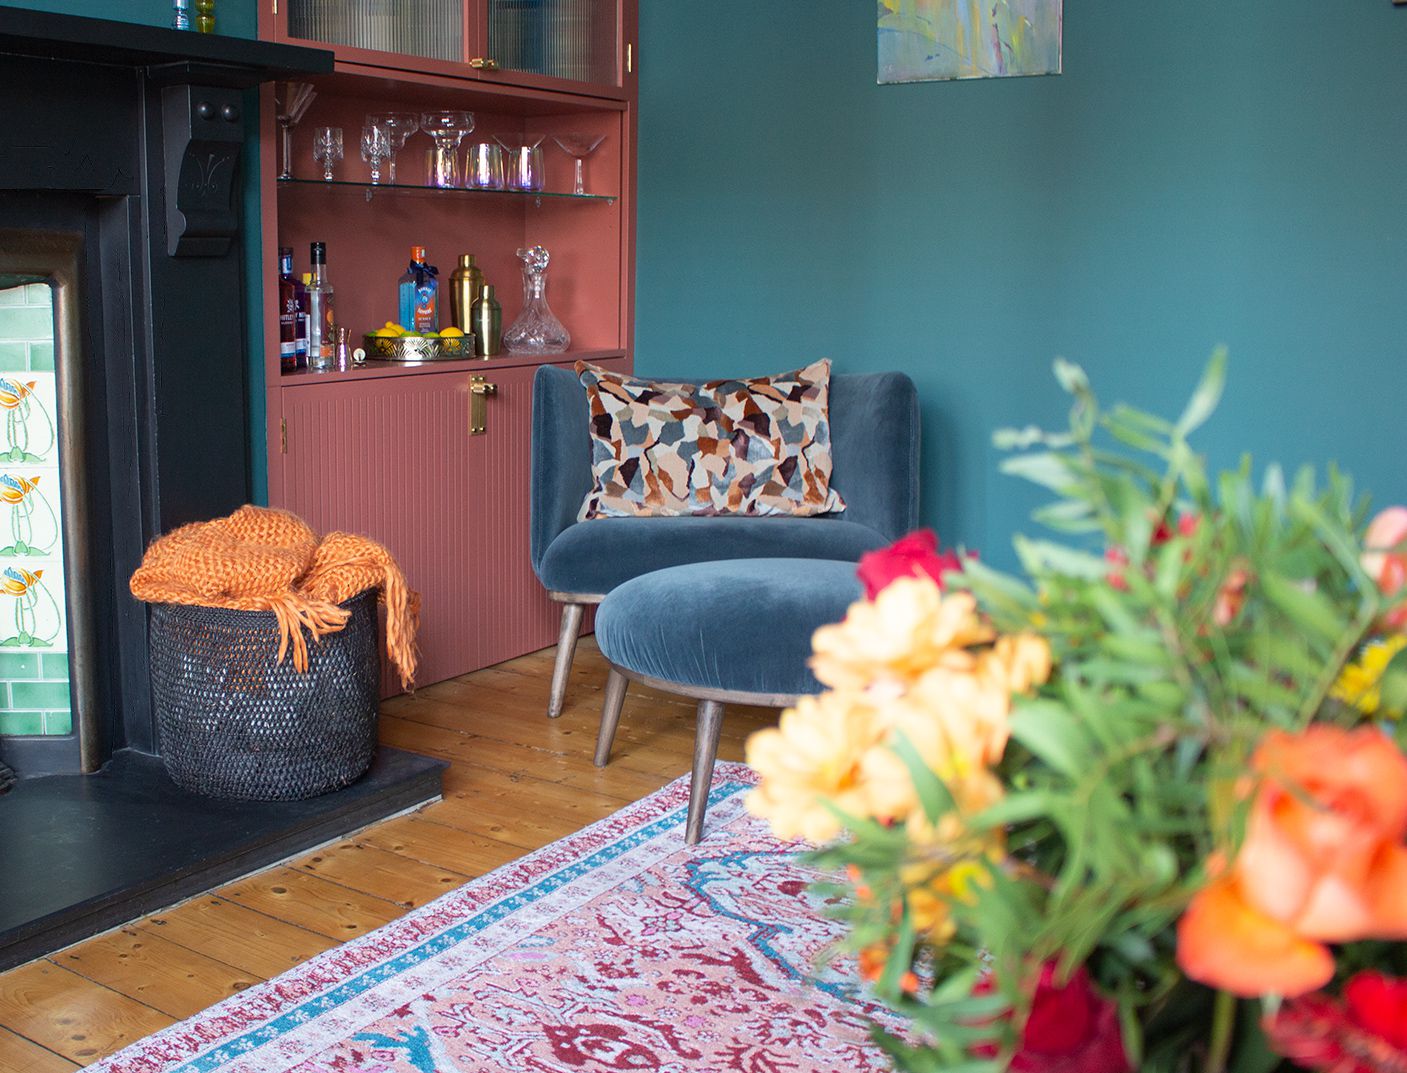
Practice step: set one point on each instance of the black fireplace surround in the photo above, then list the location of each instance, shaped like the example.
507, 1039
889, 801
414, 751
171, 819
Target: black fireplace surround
120, 151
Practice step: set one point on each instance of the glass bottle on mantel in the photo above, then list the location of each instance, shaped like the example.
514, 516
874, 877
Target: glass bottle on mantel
321, 319
292, 320
537, 330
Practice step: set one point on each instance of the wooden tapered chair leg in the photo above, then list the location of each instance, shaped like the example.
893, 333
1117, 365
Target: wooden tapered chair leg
710, 724
566, 650
610, 715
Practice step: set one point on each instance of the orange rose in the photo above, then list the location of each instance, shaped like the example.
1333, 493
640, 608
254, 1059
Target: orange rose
1323, 862
1385, 561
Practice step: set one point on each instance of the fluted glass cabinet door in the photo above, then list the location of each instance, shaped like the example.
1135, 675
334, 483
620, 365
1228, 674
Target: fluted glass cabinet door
573, 39
433, 29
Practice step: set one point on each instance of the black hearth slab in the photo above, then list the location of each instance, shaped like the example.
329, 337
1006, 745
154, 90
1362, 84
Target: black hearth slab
211, 59
83, 853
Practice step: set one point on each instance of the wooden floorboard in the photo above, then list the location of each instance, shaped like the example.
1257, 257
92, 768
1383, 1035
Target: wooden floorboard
517, 781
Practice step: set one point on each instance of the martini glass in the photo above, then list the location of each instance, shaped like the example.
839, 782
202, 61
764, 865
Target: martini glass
398, 126
579, 146
447, 129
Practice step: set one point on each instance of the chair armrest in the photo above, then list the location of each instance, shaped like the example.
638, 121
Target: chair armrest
561, 455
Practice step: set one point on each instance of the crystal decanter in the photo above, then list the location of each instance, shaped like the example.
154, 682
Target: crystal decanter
536, 331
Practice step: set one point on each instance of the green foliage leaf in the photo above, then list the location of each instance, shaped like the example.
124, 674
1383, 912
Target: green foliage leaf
1051, 733
1206, 396
1304, 606
933, 795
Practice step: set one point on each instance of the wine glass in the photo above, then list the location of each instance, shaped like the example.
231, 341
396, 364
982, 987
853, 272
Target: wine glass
376, 147
580, 146
327, 149
399, 126
447, 129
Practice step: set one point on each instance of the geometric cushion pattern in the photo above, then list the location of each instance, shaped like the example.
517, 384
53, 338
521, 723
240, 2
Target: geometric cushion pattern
754, 447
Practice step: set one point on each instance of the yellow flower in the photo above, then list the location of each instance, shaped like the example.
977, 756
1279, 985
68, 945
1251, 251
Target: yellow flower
946, 858
1021, 660
813, 755
1359, 682
907, 629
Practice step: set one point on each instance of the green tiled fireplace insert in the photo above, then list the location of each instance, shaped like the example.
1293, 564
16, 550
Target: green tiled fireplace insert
34, 679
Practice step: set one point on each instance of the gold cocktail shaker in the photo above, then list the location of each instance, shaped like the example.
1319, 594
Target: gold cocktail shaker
465, 283
488, 323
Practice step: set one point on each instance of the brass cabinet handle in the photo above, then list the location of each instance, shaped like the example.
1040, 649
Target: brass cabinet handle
481, 63
479, 392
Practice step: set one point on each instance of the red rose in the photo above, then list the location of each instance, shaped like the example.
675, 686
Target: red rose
1070, 1029
1365, 1034
915, 555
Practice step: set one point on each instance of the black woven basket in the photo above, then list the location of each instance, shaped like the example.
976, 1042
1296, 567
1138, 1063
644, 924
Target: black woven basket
236, 723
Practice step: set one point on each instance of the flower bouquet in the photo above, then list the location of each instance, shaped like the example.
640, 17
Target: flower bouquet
1143, 809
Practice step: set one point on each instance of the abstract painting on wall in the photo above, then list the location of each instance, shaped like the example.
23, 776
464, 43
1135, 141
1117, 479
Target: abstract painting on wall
927, 40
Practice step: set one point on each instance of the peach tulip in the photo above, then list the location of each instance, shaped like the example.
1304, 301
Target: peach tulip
1385, 561
1323, 862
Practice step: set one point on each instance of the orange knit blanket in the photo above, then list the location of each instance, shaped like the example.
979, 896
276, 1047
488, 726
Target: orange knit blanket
269, 560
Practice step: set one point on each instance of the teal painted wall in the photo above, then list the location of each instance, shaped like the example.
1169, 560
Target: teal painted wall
235, 18
1201, 173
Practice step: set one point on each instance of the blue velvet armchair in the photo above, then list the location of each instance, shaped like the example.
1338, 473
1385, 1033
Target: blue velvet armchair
874, 443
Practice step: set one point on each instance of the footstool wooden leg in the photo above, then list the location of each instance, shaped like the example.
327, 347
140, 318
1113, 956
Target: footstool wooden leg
710, 723
610, 715
566, 649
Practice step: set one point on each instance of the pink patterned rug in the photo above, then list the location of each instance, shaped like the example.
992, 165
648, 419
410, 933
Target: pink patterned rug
618, 948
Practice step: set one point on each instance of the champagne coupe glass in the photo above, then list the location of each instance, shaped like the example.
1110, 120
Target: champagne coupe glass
289, 108
399, 126
376, 148
579, 146
327, 149
447, 129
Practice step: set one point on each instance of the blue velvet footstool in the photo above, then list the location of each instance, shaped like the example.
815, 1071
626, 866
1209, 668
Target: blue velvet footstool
731, 632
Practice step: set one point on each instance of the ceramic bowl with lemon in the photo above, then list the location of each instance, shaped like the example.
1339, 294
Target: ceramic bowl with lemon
392, 342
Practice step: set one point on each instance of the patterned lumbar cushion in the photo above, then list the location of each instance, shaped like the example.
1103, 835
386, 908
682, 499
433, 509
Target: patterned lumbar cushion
760, 446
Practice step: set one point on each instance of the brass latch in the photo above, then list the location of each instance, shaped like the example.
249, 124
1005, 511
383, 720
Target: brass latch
479, 392
283, 435
480, 63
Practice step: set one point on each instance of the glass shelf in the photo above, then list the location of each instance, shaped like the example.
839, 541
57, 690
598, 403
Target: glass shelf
415, 190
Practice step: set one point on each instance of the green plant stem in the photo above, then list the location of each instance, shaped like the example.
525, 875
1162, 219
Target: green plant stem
1223, 1022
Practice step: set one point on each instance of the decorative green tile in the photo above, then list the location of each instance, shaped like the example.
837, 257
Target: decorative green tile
21, 722
26, 322
27, 665
39, 294
12, 296
39, 694
41, 357
58, 722
14, 357
55, 666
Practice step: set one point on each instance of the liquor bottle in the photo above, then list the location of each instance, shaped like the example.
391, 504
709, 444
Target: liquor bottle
419, 294
303, 320
321, 320
290, 312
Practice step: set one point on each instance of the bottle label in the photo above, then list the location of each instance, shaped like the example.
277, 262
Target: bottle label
425, 318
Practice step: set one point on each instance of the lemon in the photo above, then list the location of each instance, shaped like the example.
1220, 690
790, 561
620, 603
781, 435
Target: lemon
451, 333
388, 332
